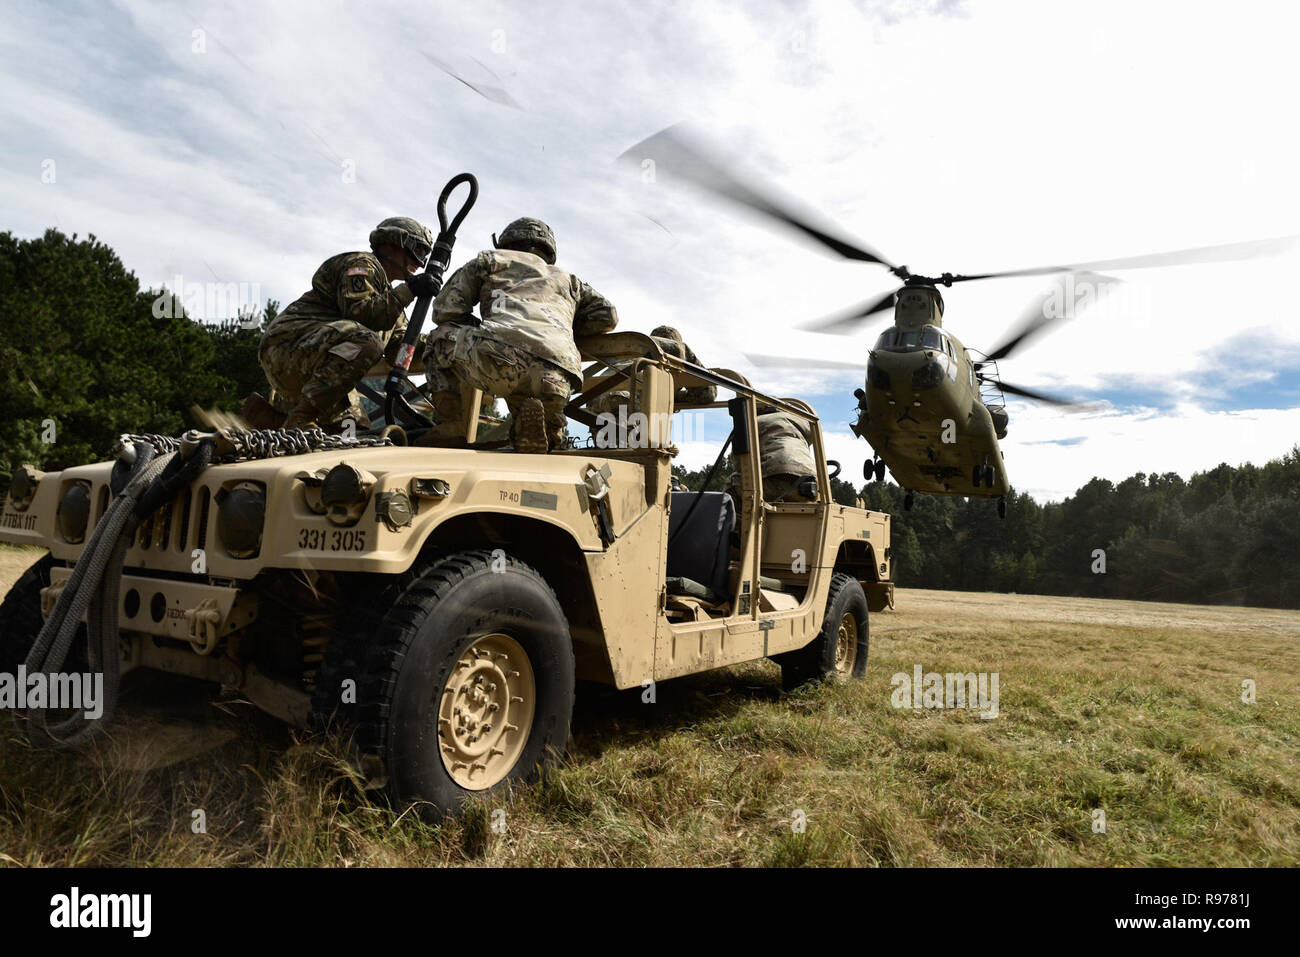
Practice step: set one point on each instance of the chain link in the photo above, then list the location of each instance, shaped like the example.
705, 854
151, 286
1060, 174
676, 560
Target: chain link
241, 445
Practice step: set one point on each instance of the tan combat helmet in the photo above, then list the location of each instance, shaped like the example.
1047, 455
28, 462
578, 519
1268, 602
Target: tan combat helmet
405, 233
528, 235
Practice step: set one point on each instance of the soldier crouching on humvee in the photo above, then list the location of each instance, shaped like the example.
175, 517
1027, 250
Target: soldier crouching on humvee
316, 351
670, 342
522, 348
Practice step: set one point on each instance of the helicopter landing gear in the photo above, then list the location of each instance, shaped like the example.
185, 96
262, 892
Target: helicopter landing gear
1002, 507
989, 476
975, 474
908, 499
874, 468
880, 470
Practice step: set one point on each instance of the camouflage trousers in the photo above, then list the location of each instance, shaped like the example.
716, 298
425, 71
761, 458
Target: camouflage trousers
459, 360
314, 366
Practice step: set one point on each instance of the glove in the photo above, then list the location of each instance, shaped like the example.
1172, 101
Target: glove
422, 284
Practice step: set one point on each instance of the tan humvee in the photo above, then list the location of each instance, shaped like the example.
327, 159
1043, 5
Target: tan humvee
443, 601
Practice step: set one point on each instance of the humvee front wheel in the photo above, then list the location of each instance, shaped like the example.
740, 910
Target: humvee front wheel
468, 686
840, 648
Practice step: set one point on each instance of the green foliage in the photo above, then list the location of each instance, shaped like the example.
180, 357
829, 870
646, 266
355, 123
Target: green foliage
86, 354
1225, 536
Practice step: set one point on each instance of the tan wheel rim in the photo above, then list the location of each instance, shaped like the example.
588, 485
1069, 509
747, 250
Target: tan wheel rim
846, 646
486, 713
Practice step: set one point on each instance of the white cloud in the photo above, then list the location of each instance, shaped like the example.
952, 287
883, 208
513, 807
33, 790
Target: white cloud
999, 135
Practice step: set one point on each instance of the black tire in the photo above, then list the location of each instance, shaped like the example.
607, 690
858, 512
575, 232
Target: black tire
817, 660
21, 621
424, 638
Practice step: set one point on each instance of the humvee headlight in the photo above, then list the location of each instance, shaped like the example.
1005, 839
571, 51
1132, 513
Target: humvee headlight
22, 486
241, 512
344, 493
74, 513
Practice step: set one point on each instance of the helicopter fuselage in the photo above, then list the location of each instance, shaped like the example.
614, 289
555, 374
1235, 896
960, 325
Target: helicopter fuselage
922, 411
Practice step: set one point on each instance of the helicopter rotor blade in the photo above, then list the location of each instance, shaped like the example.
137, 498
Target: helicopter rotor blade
851, 320
794, 362
496, 94
670, 150
1039, 316
1030, 393
1230, 252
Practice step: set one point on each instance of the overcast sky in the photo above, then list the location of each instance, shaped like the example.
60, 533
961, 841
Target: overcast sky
246, 143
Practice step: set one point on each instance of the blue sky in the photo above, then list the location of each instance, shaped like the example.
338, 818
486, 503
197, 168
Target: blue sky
246, 143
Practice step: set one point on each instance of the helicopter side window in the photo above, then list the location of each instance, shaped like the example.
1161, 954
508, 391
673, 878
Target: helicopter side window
948, 345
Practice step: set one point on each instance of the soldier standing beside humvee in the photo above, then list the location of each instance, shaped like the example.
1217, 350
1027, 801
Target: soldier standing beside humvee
786, 457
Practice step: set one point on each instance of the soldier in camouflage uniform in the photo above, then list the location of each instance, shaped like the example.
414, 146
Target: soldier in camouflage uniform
786, 458
316, 351
522, 348
670, 342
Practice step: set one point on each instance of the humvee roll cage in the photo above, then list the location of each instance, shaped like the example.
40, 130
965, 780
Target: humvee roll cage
638, 347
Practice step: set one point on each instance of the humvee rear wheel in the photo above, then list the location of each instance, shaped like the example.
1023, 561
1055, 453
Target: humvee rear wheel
846, 646
467, 687
840, 648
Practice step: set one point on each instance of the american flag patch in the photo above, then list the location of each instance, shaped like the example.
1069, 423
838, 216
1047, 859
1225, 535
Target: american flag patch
359, 271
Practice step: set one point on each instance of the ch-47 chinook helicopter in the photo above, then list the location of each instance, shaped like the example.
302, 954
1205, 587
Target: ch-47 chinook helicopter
932, 409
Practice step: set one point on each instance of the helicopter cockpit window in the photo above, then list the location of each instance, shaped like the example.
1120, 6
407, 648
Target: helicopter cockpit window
931, 339
886, 340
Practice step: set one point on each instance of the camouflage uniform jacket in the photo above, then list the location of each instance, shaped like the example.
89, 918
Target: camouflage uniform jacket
525, 303
349, 286
784, 446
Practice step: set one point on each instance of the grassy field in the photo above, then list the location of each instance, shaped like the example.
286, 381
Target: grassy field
1131, 708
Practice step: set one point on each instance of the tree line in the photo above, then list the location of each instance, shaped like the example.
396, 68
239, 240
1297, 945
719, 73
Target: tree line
1224, 536
86, 354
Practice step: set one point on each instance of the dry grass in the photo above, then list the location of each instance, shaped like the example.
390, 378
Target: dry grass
1100, 708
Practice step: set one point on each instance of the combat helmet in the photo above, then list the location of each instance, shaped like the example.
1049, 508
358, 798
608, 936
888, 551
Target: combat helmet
529, 235
405, 233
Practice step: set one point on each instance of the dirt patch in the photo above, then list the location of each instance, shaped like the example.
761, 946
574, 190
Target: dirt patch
917, 606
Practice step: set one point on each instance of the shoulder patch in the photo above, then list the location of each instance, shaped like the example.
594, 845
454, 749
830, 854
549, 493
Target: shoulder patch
359, 271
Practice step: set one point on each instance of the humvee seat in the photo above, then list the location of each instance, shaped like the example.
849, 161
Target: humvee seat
700, 552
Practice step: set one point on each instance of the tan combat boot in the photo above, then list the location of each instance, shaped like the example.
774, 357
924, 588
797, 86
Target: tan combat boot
530, 427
